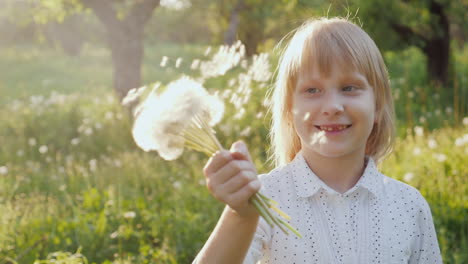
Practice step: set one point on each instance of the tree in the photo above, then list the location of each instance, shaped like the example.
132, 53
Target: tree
255, 22
124, 21
424, 24
125, 33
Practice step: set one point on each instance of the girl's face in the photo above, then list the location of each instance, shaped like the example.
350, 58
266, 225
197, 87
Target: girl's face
333, 114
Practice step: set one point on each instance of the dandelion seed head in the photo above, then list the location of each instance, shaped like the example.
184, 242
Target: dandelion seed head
114, 235
132, 96
195, 64
177, 185
416, 151
32, 142
225, 59
178, 62
129, 215
440, 157
432, 143
207, 51
88, 131
3, 170
162, 119
408, 176
465, 121
93, 164
109, 115
43, 149
419, 131
164, 61
246, 132
260, 68
75, 141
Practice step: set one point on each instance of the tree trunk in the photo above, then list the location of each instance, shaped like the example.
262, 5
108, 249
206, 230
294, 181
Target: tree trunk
125, 37
437, 47
127, 55
231, 34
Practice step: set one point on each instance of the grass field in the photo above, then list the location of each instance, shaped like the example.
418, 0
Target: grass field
73, 182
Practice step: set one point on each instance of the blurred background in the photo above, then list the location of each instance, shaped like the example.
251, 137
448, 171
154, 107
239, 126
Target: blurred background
73, 185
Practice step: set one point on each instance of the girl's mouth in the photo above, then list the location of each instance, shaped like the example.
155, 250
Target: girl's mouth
332, 128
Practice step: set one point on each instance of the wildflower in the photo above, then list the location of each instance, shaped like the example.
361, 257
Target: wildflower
183, 116
20, 153
410, 94
422, 119
419, 131
465, 121
448, 110
43, 149
3, 170
129, 215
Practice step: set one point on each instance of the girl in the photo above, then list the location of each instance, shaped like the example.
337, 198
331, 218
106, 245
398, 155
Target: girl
333, 120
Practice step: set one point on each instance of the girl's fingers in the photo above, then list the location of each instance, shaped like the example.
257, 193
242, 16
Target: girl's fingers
239, 151
230, 170
240, 198
217, 161
237, 182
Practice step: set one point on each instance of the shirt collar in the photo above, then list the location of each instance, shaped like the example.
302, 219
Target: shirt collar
308, 184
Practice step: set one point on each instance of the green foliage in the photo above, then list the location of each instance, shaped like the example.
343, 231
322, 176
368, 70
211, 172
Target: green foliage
72, 178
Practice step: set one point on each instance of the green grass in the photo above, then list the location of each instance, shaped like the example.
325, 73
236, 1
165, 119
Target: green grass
72, 179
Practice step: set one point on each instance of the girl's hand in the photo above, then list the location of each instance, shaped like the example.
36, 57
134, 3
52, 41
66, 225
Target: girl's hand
231, 178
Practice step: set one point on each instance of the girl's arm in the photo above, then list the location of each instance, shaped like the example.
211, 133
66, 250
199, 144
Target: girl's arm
230, 239
232, 179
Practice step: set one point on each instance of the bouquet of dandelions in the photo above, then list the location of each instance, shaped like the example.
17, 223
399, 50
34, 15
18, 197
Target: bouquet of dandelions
183, 116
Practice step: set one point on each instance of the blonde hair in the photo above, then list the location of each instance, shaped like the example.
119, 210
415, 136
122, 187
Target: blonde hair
327, 42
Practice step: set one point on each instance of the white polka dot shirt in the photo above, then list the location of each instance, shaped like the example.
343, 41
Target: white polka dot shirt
379, 220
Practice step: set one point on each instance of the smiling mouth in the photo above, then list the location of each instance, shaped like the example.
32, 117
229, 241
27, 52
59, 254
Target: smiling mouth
333, 128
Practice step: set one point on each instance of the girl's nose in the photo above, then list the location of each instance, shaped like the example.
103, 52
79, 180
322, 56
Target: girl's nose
332, 105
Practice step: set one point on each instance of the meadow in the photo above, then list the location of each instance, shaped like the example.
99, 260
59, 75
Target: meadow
74, 188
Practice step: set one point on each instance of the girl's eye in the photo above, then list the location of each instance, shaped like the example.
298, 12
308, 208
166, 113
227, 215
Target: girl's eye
349, 88
312, 90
